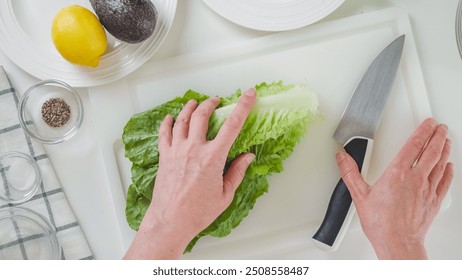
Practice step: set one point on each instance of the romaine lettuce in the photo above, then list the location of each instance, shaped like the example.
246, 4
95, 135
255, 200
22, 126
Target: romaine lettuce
276, 124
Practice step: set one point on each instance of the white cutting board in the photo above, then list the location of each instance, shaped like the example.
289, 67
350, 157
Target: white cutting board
330, 57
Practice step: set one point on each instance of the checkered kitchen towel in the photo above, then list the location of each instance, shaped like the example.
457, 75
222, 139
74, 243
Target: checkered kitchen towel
50, 200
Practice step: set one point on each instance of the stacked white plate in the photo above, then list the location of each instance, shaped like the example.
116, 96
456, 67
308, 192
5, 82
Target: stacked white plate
273, 15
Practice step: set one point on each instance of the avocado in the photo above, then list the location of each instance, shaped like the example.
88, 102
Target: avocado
130, 21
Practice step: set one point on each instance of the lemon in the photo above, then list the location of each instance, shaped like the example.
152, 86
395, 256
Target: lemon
79, 36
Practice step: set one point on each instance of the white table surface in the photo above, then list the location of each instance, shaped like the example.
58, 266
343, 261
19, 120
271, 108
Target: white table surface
79, 164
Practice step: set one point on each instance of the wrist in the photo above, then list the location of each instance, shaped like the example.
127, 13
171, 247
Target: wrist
157, 239
166, 240
401, 251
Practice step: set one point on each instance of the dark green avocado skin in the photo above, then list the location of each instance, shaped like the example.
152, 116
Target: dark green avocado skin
130, 21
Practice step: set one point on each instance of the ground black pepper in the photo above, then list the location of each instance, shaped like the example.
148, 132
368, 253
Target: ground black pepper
56, 112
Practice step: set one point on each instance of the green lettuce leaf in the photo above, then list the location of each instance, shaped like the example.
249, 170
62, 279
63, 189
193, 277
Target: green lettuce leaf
276, 124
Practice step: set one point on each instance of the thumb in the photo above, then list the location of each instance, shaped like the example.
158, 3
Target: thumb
233, 177
351, 175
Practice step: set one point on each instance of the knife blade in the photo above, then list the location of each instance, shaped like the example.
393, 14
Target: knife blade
356, 132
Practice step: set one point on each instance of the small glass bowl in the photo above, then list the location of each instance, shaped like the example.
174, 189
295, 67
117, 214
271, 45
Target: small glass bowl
30, 111
20, 177
27, 235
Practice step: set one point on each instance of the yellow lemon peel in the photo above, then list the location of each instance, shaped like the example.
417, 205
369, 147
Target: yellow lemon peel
79, 36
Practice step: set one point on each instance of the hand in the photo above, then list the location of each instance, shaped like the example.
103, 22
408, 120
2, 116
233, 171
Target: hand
190, 190
397, 211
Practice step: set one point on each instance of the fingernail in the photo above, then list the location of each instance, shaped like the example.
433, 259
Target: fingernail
249, 158
339, 156
191, 101
250, 92
444, 127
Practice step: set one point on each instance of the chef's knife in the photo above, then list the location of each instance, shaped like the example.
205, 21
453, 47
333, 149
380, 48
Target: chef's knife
356, 132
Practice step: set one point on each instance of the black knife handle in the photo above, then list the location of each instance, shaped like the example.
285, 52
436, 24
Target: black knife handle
340, 201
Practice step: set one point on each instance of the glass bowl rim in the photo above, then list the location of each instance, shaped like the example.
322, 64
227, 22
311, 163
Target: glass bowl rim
39, 219
38, 176
22, 112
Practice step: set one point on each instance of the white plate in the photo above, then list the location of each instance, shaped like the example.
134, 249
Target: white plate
273, 15
25, 37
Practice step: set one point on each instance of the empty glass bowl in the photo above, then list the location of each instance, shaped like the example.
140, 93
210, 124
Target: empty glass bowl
20, 177
50, 111
27, 235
